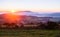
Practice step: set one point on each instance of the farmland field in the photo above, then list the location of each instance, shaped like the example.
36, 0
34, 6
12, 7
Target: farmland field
29, 33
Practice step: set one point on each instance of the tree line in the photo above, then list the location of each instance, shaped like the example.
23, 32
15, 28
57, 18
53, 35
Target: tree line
40, 25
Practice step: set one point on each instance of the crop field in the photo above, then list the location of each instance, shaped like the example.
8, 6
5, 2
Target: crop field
29, 33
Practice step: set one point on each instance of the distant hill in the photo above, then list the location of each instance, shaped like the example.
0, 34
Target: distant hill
56, 15
30, 13
38, 14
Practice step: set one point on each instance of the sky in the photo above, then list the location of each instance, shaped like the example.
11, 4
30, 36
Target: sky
32, 5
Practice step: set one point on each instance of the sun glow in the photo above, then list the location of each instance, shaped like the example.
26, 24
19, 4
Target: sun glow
10, 17
12, 11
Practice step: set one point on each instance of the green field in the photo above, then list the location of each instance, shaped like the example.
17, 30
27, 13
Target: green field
29, 33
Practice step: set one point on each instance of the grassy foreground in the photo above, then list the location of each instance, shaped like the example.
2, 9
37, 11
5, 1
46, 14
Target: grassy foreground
29, 33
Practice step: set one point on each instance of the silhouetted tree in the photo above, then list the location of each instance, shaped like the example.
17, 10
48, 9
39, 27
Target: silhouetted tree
41, 25
5, 23
14, 25
22, 25
52, 25
58, 22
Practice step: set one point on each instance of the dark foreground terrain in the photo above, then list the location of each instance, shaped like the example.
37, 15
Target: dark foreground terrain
29, 33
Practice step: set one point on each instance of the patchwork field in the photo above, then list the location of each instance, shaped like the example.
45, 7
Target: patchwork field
29, 33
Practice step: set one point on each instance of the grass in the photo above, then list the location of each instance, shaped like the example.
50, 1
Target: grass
29, 33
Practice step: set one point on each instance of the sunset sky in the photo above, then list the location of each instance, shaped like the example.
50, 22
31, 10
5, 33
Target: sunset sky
32, 5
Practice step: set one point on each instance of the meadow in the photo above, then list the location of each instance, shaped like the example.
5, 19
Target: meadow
29, 33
